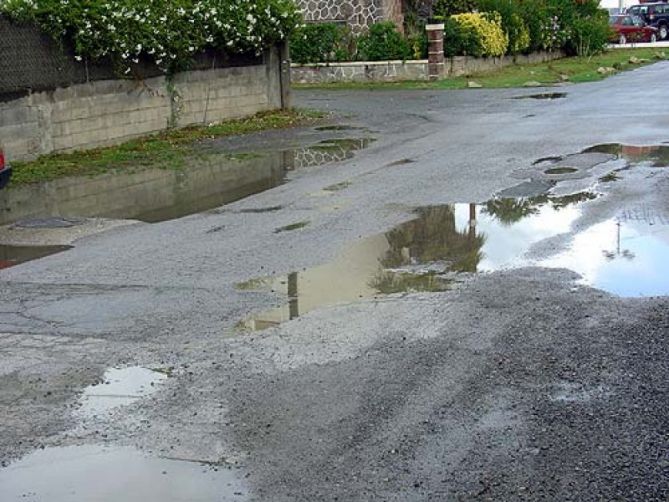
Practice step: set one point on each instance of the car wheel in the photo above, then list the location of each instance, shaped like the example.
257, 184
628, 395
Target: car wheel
622, 40
663, 32
653, 38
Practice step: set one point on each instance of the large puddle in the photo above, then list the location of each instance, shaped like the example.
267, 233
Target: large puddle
625, 256
95, 473
212, 179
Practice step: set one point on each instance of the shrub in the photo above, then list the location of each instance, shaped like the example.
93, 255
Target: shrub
512, 22
446, 8
418, 45
589, 34
322, 42
170, 32
536, 19
476, 34
383, 42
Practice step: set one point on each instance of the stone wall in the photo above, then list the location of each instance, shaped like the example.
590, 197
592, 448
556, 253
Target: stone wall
105, 112
397, 71
359, 14
363, 71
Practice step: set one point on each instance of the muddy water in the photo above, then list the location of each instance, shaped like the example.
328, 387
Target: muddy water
210, 180
15, 255
626, 256
101, 473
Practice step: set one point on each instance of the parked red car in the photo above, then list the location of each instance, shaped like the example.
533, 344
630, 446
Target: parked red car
631, 29
5, 171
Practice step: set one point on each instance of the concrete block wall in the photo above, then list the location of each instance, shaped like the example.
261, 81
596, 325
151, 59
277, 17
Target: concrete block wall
107, 112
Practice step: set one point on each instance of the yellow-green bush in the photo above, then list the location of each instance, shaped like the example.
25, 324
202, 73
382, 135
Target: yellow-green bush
481, 33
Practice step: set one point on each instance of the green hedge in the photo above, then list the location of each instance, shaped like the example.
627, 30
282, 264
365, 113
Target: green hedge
170, 32
322, 43
579, 28
329, 42
472, 27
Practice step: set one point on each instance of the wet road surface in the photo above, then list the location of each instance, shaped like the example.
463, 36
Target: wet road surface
473, 307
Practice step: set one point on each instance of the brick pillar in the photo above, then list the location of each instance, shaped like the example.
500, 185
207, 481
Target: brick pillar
435, 51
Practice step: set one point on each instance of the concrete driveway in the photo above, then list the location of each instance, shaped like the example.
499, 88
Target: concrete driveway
382, 328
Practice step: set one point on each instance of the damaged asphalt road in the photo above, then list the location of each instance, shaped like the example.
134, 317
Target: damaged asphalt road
523, 381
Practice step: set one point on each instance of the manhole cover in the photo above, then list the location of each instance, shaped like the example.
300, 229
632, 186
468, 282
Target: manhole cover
53, 222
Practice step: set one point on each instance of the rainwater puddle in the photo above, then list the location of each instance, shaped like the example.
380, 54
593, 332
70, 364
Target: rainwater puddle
626, 257
212, 179
654, 155
561, 170
109, 474
339, 127
544, 95
119, 387
15, 255
329, 151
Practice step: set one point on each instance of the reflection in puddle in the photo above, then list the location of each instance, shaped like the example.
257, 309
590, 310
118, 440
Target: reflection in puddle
655, 155
428, 254
119, 387
624, 256
212, 179
14, 255
329, 151
99, 473
416, 256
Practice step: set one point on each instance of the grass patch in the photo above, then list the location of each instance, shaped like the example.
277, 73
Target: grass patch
573, 69
165, 150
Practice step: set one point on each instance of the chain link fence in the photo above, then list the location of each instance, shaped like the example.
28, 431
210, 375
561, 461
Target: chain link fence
31, 61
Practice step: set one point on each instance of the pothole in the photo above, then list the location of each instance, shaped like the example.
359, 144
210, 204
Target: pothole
544, 95
293, 226
336, 187
105, 473
11, 256
560, 170
339, 127
653, 155
119, 387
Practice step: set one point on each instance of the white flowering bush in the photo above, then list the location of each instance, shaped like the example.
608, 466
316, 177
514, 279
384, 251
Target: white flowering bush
170, 32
